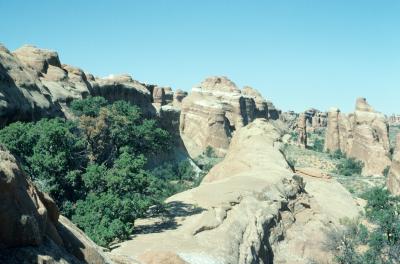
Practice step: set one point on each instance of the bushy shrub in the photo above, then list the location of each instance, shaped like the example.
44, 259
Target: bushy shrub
349, 167
386, 171
90, 106
318, 145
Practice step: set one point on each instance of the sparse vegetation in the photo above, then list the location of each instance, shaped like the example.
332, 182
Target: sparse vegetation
376, 241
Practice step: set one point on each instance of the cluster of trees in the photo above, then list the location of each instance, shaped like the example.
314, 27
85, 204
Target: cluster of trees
377, 241
95, 167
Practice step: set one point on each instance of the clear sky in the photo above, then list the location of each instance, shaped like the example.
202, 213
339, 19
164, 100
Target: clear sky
298, 53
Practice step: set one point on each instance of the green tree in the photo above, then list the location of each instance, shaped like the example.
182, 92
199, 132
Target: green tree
90, 106
117, 196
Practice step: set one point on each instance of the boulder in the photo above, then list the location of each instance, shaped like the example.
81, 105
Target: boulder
393, 182
363, 135
22, 95
37, 59
31, 228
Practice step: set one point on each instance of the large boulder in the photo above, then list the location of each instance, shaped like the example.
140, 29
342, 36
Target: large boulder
32, 229
22, 95
394, 172
250, 208
37, 59
64, 82
363, 135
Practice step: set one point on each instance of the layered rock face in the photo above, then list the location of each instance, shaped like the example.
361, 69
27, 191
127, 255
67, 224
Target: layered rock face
214, 110
250, 208
316, 119
362, 135
394, 173
394, 120
31, 230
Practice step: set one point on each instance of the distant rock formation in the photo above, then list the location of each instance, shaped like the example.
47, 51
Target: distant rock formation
31, 229
362, 135
394, 120
394, 172
289, 119
250, 208
316, 119
214, 110
302, 130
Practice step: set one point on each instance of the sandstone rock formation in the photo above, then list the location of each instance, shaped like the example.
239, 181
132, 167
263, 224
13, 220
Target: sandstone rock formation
394, 120
362, 135
250, 208
178, 97
302, 130
273, 112
394, 173
22, 95
35, 84
289, 119
31, 230
316, 119
214, 110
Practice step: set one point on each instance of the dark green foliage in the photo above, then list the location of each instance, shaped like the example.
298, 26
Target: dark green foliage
180, 176
294, 136
117, 196
210, 152
318, 145
385, 172
349, 167
118, 126
381, 240
95, 168
89, 106
337, 154
52, 152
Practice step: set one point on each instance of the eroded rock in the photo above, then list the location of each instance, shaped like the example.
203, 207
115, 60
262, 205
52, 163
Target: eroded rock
31, 228
363, 135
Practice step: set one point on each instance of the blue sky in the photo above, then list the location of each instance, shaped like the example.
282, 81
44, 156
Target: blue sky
298, 53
